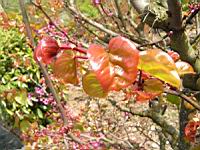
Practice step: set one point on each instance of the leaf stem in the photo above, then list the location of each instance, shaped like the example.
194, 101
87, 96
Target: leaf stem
80, 57
78, 49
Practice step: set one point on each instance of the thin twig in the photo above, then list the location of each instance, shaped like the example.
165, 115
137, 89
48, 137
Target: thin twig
186, 98
119, 14
51, 21
153, 43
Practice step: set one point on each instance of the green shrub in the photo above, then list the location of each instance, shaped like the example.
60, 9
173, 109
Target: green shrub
19, 75
86, 7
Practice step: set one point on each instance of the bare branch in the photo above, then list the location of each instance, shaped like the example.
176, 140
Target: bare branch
119, 13
71, 6
184, 97
155, 117
175, 14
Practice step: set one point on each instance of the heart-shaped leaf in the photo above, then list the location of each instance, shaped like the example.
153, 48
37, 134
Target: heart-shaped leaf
125, 58
64, 67
159, 64
184, 68
46, 50
117, 68
92, 86
99, 61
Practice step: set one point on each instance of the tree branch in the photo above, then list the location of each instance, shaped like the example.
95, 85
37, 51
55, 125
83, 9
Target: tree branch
184, 97
174, 14
155, 117
70, 5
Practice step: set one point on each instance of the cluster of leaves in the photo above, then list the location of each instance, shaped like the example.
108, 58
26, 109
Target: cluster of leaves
114, 68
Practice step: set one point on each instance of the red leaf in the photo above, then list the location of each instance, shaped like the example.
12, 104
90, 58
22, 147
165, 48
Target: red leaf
190, 130
117, 68
99, 61
125, 58
174, 55
65, 68
46, 50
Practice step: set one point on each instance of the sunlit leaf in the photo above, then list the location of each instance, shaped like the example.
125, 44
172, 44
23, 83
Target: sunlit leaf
92, 86
10, 112
21, 97
99, 61
159, 64
153, 86
39, 113
64, 67
125, 57
117, 68
184, 68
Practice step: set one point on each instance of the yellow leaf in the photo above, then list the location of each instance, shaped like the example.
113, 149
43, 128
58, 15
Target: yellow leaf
92, 86
159, 64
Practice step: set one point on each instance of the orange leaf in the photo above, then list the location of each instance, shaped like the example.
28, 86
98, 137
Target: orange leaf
184, 68
144, 96
117, 68
64, 67
125, 57
99, 61
174, 55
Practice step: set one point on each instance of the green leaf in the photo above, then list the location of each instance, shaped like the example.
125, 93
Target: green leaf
21, 97
92, 86
10, 112
39, 113
160, 65
25, 110
173, 99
